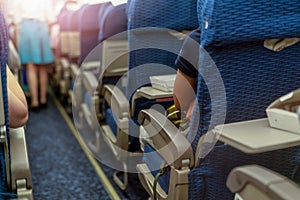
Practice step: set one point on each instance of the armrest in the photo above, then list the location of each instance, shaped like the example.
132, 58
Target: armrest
74, 71
90, 65
90, 82
20, 168
64, 63
120, 108
119, 104
266, 182
169, 141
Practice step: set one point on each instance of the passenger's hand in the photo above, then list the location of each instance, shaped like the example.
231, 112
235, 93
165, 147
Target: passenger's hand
190, 110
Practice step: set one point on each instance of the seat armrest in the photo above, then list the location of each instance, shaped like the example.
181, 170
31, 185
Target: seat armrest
90, 82
75, 71
20, 168
261, 180
167, 139
65, 64
117, 101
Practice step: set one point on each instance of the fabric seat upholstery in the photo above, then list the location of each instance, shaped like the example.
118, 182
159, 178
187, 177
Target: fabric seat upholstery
233, 33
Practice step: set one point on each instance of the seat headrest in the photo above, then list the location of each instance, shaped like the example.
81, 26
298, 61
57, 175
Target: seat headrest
103, 12
3, 62
73, 19
113, 22
240, 20
173, 14
3, 41
89, 17
62, 20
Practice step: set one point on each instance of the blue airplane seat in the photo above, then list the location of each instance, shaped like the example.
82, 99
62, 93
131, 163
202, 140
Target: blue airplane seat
15, 177
69, 19
117, 15
4, 101
127, 7
153, 48
232, 48
112, 45
106, 6
112, 21
139, 17
63, 21
89, 29
150, 24
118, 118
111, 63
113, 28
73, 24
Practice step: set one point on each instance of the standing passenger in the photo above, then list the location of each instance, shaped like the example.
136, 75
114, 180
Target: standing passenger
34, 48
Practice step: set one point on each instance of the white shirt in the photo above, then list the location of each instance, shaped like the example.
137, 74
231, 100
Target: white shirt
32, 9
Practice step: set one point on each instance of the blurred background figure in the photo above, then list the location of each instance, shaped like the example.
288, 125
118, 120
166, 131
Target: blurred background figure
33, 18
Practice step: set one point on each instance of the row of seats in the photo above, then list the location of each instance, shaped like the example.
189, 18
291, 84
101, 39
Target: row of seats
231, 48
15, 175
112, 102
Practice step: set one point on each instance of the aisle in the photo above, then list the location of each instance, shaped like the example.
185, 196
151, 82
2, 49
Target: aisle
59, 167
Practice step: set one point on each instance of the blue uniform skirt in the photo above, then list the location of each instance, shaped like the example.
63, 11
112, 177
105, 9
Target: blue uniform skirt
34, 42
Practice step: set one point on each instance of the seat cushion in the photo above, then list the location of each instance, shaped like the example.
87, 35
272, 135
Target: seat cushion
154, 162
134, 141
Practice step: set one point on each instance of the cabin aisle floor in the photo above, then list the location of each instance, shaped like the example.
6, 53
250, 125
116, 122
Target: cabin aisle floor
59, 167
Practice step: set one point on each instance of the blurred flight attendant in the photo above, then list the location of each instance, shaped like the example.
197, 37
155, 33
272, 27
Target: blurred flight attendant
33, 16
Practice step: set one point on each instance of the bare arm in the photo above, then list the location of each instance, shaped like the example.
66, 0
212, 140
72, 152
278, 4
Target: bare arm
17, 105
184, 92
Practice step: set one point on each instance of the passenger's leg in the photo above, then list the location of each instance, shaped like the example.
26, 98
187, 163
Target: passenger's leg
43, 74
32, 79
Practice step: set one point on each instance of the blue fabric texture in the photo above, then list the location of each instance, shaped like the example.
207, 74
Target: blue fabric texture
133, 138
189, 49
153, 50
154, 162
3, 61
230, 21
150, 42
34, 42
162, 13
253, 77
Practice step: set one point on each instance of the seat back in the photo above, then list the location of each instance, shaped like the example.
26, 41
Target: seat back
114, 41
89, 29
64, 42
252, 76
4, 147
74, 34
152, 44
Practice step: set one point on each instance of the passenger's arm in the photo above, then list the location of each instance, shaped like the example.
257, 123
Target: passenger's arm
184, 92
17, 105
